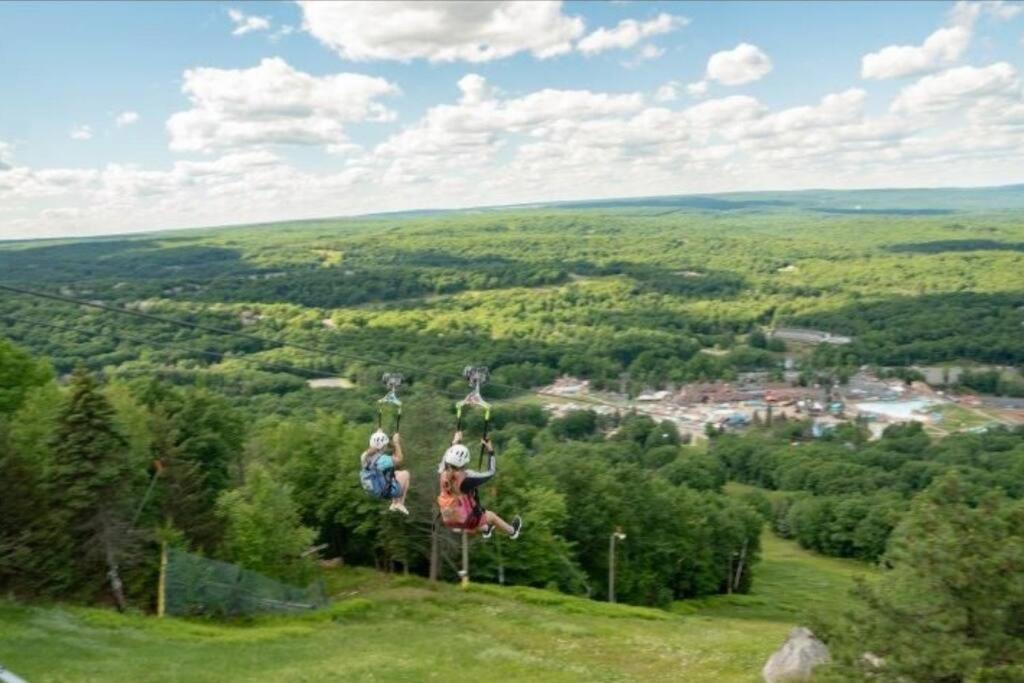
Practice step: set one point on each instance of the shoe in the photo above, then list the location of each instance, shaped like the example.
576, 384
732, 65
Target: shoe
391, 508
488, 532
400, 508
517, 526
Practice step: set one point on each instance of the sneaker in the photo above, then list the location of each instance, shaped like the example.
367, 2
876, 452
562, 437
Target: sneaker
517, 526
391, 508
400, 508
488, 532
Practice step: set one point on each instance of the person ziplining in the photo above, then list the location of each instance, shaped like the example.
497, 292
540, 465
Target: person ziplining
378, 466
459, 500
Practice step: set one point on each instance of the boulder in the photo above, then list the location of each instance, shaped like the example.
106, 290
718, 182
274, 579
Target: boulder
796, 659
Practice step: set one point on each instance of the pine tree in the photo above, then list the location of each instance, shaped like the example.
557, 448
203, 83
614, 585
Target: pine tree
181, 499
949, 609
19, 373
20, 522
89, 490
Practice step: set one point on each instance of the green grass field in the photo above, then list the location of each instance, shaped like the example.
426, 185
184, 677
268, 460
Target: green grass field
400, 628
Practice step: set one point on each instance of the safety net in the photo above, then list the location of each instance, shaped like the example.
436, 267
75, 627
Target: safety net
197, 585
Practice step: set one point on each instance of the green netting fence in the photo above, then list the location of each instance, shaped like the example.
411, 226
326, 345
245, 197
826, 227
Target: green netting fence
196, 585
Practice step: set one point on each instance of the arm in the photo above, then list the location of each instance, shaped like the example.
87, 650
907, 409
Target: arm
397, 455
475, 479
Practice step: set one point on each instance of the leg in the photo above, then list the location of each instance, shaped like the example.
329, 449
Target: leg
402, 477
495, 520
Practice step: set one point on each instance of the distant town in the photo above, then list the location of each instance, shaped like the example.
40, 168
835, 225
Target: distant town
755, 398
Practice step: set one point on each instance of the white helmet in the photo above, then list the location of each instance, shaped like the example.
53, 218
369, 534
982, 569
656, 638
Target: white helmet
379, 440
457, 456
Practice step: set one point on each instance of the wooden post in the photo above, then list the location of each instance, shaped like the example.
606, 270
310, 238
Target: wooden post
611, 568
616, 535
464, 574
161, 591
501, 563
435, 553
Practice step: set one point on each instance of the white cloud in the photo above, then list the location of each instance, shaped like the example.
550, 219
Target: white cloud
650, 52
273, 103
6, 155
698, 89
628, 33
942, 48
1000, 10
834, 110
81, 133
23, 182
245, 23
724, 111
126, 118
1005, 10
282, 32
456, 139
485, 146
441, 31
957, 87
744, 63
668, 92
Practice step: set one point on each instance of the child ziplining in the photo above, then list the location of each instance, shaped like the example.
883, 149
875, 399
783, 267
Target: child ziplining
459, 501
379, 474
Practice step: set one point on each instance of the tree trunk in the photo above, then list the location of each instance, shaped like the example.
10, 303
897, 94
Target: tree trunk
739, 569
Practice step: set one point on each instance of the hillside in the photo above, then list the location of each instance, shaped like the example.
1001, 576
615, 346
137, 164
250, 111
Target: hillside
391, 627
596, 292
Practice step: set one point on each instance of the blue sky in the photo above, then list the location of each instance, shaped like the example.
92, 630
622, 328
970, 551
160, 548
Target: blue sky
135, 116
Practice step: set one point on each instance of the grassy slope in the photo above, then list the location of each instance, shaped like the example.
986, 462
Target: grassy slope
393, 628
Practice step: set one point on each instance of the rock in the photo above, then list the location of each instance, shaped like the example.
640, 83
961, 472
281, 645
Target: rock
872, 661
796, 659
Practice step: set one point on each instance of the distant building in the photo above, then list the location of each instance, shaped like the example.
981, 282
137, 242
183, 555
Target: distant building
330, 383
567, 386
650, 396
805, 336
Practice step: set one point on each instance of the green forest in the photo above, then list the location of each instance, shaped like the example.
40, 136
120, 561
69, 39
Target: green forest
155, 392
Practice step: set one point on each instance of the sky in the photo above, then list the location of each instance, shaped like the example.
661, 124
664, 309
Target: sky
127, 117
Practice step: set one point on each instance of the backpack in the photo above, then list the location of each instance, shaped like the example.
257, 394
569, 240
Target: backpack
456, 507
378, 477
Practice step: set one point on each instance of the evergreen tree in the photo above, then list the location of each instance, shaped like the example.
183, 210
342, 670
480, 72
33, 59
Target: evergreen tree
88, 487
20, 521
19, 372
950, 608
181, 501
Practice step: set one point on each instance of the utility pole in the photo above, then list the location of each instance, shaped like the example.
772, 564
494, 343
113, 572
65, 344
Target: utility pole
616, 535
